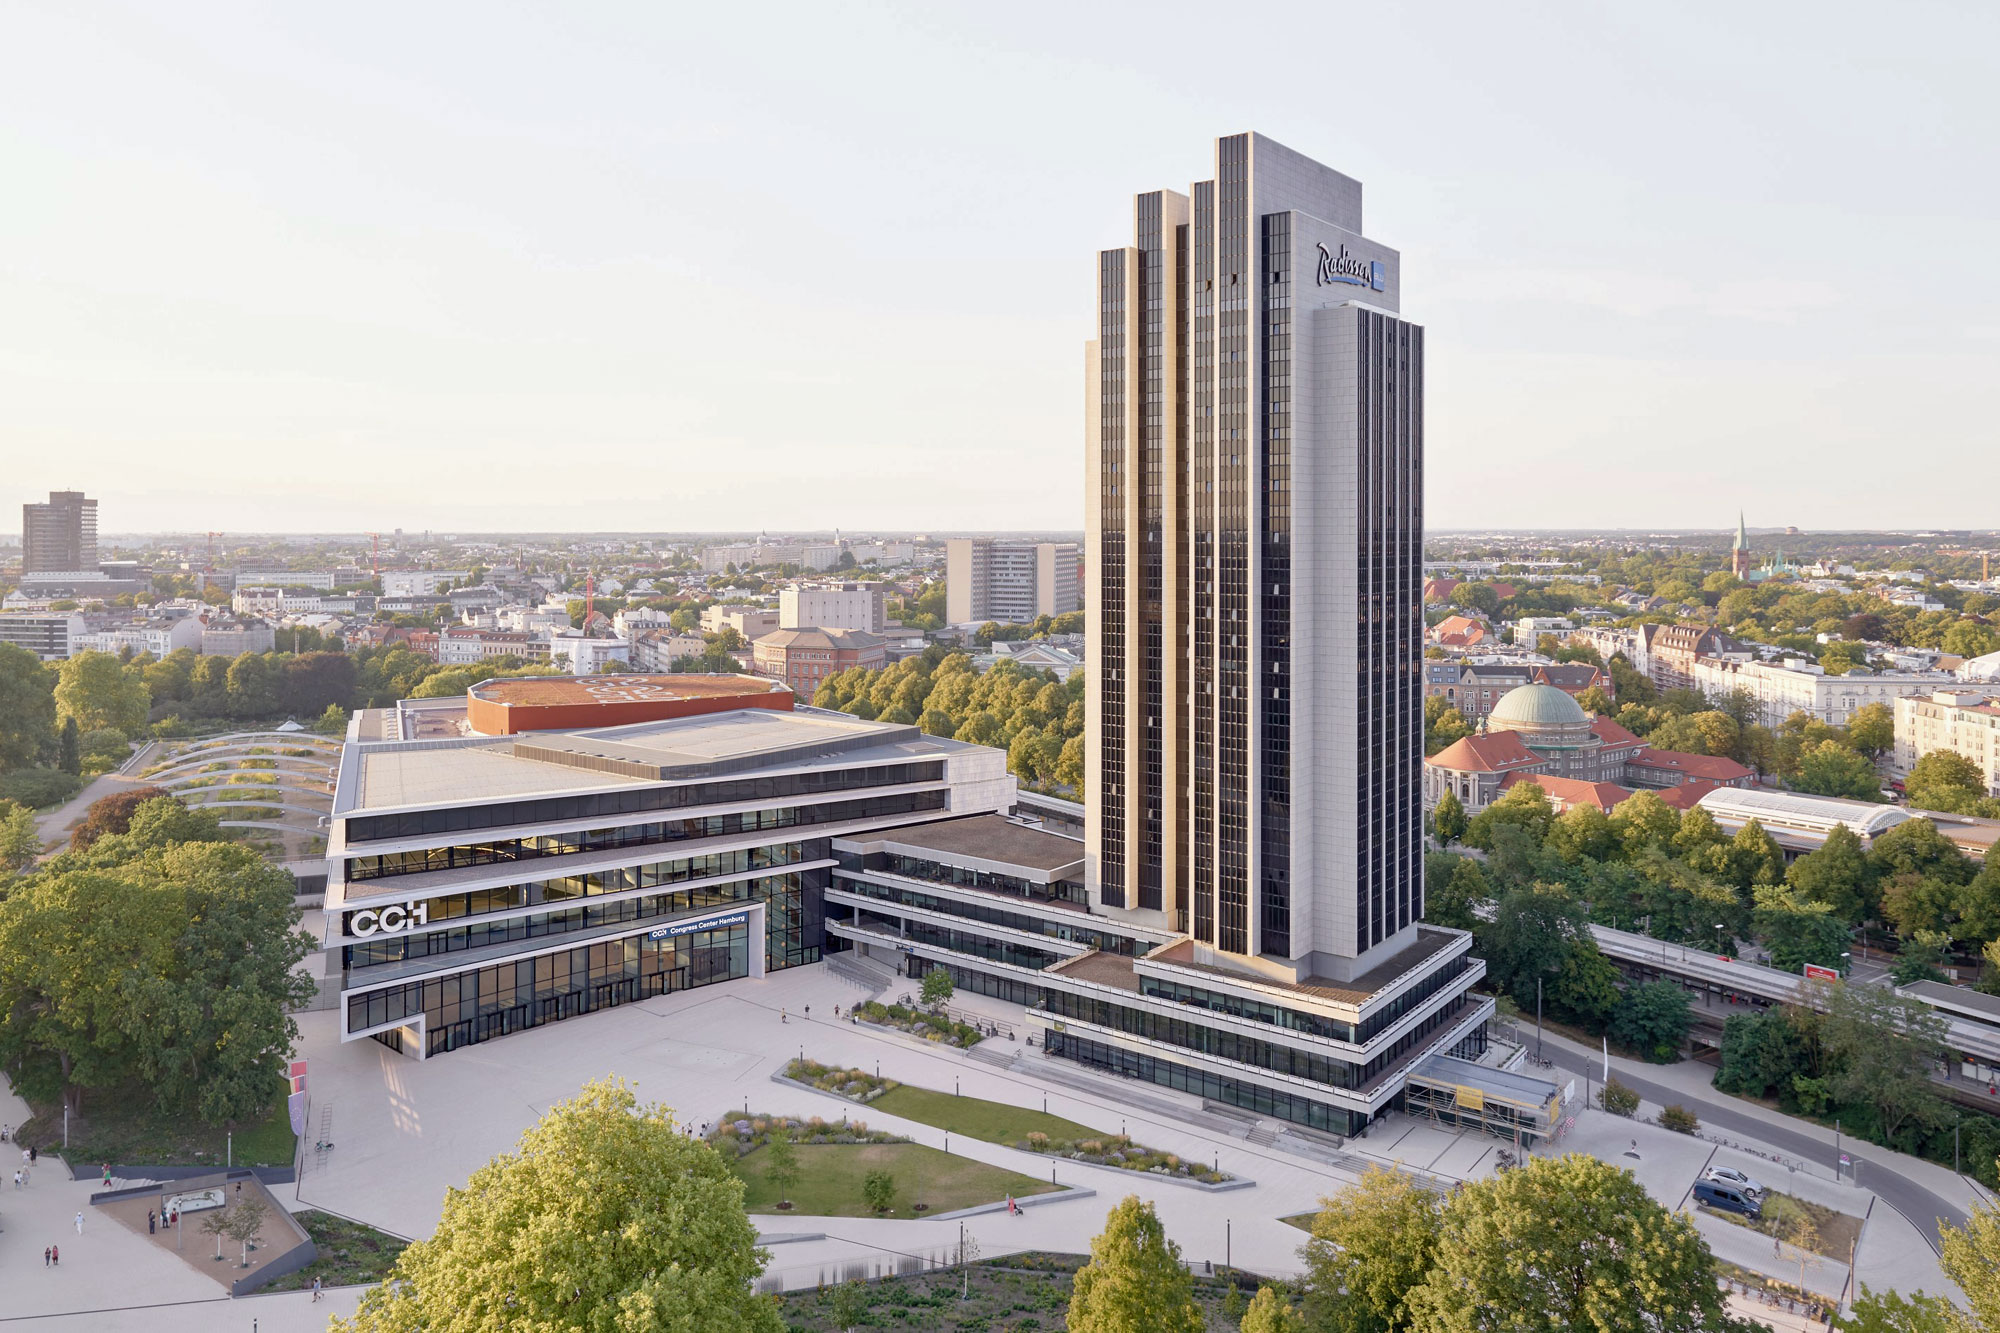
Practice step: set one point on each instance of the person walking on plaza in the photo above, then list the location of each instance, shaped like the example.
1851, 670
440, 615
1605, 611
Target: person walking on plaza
79, 1224
107, 1175
55, 1255
152, 1227
316, 1291
45, 1256
782, 1018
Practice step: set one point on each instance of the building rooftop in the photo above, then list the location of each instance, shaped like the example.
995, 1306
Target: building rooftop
1797, 810
990, 838
1496, 1084
1106, 969
1182, 953
385, 776
1957, 997
547, 691
1535, 707
1498, 752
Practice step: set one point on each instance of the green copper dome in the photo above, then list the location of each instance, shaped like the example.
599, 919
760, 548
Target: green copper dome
1535, 708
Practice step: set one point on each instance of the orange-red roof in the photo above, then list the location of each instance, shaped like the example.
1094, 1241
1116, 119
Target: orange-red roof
1688, 795
1610, 732
1495, 752
1566, 792
1694, 765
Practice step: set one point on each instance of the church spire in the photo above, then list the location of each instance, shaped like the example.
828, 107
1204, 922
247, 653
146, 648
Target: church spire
1742, 534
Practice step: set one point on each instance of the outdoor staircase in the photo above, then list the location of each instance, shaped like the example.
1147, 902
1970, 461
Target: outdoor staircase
865, 973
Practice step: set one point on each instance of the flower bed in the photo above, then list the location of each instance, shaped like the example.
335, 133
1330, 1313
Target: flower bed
1119, 1151
854, 1084
921, 1023
742, 1134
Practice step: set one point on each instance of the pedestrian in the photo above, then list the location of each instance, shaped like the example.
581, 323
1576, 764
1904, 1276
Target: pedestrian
316, 1292
152, 1227
177, 1216
239, 1191
836, 1013
45, 1256
79, 1224
34, 1155
809, 1013
55, 1255
782, 1018
107, 1175
17, 1177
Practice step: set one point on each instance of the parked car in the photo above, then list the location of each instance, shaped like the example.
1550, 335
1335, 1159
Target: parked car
1730, 1176
1727, 1199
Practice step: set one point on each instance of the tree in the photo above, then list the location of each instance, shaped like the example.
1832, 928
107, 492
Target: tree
1567, 1243
1372, 1244
311, 683
332, 722
1679, 1119
20, 840
252, 686
96, 691
1892, 1312
1755, 857
1134, 1282
1644, 820
1525, 805
244, 1221
1945, 780
1970, 639
1798, 932
1585, 990
1972, 1260
937, 988
1583, 832
1832, 769
1916, 847
175, 968
1532, 931
216, 1224
1270, 1312
1451, 891
27, 708
1883, 1048
607, 1217
1653, 1018
1617, 1099
781, 1164
850, 1303
1449, 819
1838, 875
879, 1189
1872, 730
69, 748
112, 814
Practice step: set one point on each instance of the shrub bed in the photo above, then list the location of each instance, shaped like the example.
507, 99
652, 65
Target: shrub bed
921, 1023
854, 1084
1119, 1151
737, 1134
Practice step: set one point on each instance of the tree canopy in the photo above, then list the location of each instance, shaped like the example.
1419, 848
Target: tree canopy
1134, 1282
607, 1217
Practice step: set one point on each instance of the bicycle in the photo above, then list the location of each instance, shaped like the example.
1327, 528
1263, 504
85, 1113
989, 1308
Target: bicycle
324, 1145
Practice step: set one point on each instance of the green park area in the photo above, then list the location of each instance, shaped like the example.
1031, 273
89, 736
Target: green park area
131, 1129
975, 1117
833, 1181
349, 1252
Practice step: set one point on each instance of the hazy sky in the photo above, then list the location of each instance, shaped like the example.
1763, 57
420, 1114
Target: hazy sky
680, 266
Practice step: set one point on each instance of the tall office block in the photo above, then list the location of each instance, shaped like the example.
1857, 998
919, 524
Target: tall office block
1255, 523
1009, 582
61, 536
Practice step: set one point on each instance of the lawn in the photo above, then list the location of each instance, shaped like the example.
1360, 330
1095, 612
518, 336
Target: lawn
349, 1252
830, 1174
996, 1122
123, 1127
1833, 1234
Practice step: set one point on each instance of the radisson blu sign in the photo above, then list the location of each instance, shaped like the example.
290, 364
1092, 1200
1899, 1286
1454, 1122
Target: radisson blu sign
690, 927
1340, 266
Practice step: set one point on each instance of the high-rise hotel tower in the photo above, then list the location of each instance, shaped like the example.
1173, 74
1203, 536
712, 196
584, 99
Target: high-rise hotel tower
1241, 922
1255, 528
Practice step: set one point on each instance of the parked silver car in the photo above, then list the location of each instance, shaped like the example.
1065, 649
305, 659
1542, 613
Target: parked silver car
1729, 1175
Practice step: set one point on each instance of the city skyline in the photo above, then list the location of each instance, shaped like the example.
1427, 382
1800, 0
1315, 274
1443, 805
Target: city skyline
399, 270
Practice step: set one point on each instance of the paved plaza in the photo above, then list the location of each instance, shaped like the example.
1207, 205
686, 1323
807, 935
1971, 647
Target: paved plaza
405, 1130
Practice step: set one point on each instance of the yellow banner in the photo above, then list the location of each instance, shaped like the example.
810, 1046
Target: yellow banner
1472, 1099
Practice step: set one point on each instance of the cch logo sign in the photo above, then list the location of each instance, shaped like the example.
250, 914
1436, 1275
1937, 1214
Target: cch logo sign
1340, 266
391, 920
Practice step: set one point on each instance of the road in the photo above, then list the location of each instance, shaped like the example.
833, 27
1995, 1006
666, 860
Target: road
1925, 1210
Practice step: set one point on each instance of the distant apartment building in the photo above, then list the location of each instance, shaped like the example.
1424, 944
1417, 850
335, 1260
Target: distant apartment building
1966, 722
1010, 583
1630, 644
806, 555
158, 636
49, 635
1474, 688
419, 582
59, 536
882, 553
803, 658
658, 649
1798, 686
460, 645
582, 656
833, 606
271, 601
325, 579
224, 637
1675, 649
752, 622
